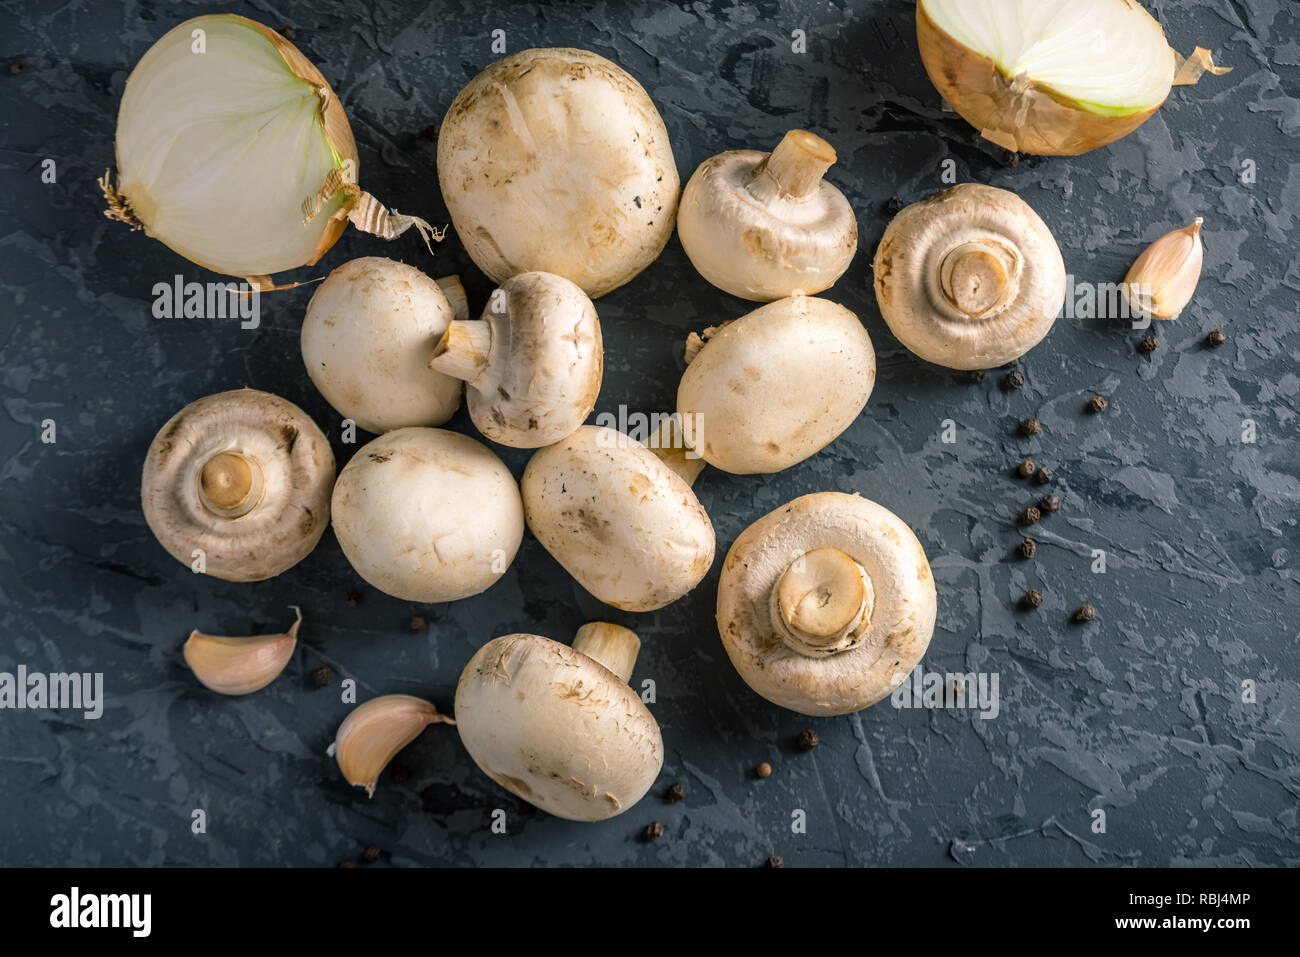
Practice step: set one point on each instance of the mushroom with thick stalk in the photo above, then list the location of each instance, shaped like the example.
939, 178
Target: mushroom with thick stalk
618, 518
1056, 77
428, 515
558, 726
369, 332
556, 160
532, 365
775, 386
970, 278
764, 226
826, 604
237, 485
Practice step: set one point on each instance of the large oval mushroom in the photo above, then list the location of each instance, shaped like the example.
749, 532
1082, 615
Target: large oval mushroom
237, 485
428, 515
558, 726
556, 160
970, 278
775, 386
618, 518
826, 604
369, 332
532, 365
764, 226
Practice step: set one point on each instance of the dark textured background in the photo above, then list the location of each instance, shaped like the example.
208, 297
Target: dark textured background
1138, 713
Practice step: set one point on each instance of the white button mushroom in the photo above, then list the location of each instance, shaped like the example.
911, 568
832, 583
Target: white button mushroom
826, 604
366, 341
428, 515
619, 519
970, 278
559, 726
775, 386
556, 160
764, 226
533, 363
237, 485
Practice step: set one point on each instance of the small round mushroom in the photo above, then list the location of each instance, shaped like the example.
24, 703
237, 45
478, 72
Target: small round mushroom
775, 386
826, 604
970, 278
428, 515
618, 518
237, 485
532, 365
763, 226
559, 726
367, 337
557, 160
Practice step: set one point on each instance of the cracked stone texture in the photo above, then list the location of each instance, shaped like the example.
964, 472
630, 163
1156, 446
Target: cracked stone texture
1139, 713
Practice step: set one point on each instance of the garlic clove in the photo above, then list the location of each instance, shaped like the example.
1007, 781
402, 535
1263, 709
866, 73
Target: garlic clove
375, 731
238, 666
1161, 281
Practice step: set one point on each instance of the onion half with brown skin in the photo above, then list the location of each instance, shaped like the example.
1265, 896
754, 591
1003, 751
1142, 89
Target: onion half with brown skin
1052, 77
233, 150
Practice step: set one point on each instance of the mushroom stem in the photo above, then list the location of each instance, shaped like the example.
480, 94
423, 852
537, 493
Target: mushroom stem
463, 350
670, 446
974, 277
230, 484
457, 298
794, 169
613, 646
822, 602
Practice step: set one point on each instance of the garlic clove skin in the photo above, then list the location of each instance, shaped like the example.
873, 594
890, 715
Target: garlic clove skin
239, 666
372, 734
1161, 281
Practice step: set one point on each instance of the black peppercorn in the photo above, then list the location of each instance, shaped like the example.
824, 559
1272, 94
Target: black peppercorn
354, 598
322, 676
774, 861
1086, 613
1033, 598
399, 774
1216, 338
1027, 548
16, 67
977, 375
1044, 475
893, 206
1026, 468
807, 740
653, 831
1050, 503
1009, 157
1097, 404
1030, 427
1013, 380
1149, 344
347, 863
288, 32
418, 623
371, 854
1030, 515
675, 793
764, 770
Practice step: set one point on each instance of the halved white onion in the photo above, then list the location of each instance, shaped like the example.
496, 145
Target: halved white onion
1056, 77
233, 150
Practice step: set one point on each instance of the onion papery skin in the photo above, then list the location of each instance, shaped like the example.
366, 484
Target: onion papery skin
246, 250
1017, 113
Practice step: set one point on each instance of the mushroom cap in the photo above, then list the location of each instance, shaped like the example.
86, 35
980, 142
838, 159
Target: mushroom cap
428, 515
545, 362
367, 337
763, 250
776, 385
557, 160
619, 520
885, 648
921, 245
295, 473
557, 728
